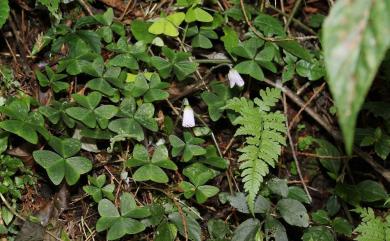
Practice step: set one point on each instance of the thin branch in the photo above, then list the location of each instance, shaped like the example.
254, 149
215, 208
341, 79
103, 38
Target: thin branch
296, 6
334, 133
86, 7
293, 150
292, 123
10, 208
268, 38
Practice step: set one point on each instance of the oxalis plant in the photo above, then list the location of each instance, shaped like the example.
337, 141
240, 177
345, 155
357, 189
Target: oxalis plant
135, 114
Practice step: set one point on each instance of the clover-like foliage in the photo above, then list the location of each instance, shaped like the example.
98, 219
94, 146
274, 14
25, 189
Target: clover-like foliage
23, 122
89, 113
124, 222
63, 164
187, 148
97, 190
151, 168
199, 175
264, 136
132, 119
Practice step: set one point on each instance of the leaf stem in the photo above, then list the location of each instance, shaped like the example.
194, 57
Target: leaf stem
10, 208
212, 61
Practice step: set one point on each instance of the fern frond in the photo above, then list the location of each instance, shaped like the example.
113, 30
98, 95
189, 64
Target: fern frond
372, 228
264, 132
269, 97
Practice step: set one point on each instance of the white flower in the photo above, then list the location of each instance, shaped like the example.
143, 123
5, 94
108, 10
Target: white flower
188, 117
235, 78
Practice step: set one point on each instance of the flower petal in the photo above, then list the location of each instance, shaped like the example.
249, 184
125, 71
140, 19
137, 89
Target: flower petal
188, 117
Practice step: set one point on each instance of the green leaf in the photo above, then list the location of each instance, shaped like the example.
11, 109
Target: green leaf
269, 25
163, 66
124, 60
150, 173
199, 174
140, 31
161, 158
216, 99
144, 116
230, 39
105, 33
123, 226
371, 191
278, 186
312, 71
6, 215
90, 101
201, 41
247, 230
107, 209
127, 126
127, 203
57, 167
321, 217
106, 111
167, 25
197, 14
76, 166
95, 192
53, 163
293, 212
352, 57
22, 129
293, 47
217, 228
342, 226
166, 232
239, 201
3, 142
84, 115
298, 194
105, 18
348, 193
193, 228
101, 85
65, 147
333, 205
111, 219
382, 146
275, 229
205, 192
4, 12
251, 68
248, 49
327, 149
317, 233
184, 68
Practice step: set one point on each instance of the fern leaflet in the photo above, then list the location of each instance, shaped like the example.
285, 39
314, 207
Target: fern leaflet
264, 136
372, 228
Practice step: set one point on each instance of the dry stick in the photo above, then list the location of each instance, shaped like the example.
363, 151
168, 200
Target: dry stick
296, 6
197, 73
126, 9
179, 209
292, 123
267, 38
10, 208
323, 157
335, 134
293, 150
86, 7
